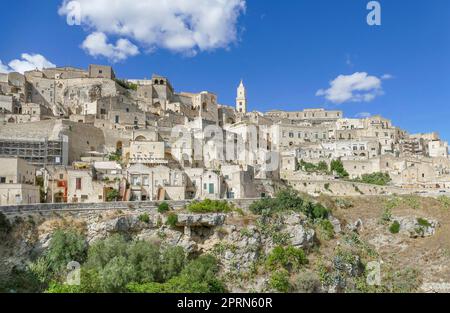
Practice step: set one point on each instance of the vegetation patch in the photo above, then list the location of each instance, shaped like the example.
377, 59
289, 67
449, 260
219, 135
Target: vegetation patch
279, 281
288, 258
209, 206
163, 207
172, 220
144, 218
289, 200
395, 227
337, 167
379, 179
118, 265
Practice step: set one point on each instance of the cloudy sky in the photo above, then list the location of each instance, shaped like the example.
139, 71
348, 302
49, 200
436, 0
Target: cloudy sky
291, 54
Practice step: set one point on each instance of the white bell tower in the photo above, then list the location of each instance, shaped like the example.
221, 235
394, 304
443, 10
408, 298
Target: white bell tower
241, 100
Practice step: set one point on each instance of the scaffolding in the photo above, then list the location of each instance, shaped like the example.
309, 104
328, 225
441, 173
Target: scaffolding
38, 153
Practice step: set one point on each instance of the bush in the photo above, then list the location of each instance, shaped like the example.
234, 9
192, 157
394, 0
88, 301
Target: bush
423, 222
199, 276
126, 84
163, 207
307, 282
289, 258
209, 206
326, 229
321, 167
172, 220
65, 247
144, 218
380, 179
316, 211
112, 195
5, 225
395, 227
386, 217
279, 281
289, 200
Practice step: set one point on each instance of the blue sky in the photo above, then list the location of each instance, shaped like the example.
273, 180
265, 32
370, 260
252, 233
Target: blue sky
284, 50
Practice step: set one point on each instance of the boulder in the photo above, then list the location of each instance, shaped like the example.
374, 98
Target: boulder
201, 220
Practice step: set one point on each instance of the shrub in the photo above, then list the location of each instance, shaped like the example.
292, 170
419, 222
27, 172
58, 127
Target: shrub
289, 258
321, 167
380, 179
112, 195
423, 222
326, 229
5, 225
307, 282
316, 211
65, 247
343, 204
144, 218
386, 217
172, 220
209, 206
279, 281
163, 207
289, 200
199, 276
395, 227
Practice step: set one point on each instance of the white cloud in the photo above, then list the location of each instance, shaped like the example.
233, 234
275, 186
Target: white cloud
186, 26
96, 45
3, 68
363, 115
387, 76
358, 87
28, 62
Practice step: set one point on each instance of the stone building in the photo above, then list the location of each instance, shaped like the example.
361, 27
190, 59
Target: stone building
17, 182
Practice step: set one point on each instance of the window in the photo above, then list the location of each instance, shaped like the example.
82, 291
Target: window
61, 176
117, 119
2, 180
205, 186
78, 184
100, 71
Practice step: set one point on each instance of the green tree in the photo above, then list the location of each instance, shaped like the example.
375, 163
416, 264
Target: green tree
338, 167
112, 195
65, 246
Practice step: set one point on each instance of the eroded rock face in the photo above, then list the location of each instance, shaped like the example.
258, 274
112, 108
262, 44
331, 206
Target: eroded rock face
416, 227
300, 235
201, 220
336, 224
129, 224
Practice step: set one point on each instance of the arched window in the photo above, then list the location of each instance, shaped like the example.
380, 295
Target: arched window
156, 82
161, 82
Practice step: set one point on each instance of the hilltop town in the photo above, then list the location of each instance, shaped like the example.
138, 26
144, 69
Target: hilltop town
71, 135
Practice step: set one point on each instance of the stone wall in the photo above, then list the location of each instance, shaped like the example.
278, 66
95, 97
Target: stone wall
86, 207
